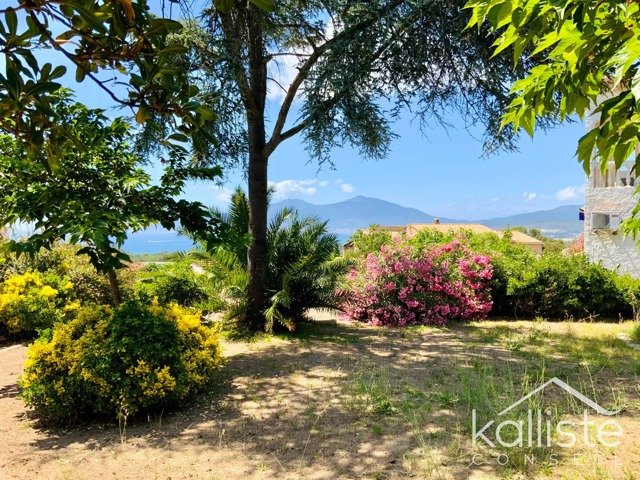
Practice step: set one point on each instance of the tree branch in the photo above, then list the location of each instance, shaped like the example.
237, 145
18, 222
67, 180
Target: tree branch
303, 72
233, 49
88, 73
293, 131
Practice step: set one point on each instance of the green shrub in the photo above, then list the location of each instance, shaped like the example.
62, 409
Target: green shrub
368, 241
304, 268
630, 289
62, 260
559, 286
32, 302
551, 285
635, 333
303, 271
173, 282
134, 359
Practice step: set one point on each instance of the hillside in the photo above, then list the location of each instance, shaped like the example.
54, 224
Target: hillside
359, 212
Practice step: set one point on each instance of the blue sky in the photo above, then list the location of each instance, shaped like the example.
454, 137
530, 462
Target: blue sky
445, 174
442, 173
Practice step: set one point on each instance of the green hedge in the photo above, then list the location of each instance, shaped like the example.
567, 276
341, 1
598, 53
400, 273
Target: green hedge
123, 362
527, 285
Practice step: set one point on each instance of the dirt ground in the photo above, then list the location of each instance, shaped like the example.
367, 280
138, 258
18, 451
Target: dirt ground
321, 406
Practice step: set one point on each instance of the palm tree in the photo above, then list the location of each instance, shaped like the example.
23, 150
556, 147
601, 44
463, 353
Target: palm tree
304, 265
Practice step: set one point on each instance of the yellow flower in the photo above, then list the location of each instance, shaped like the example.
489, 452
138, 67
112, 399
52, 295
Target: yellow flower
185, 320
72, 307
155, 308
153, 383
48, 291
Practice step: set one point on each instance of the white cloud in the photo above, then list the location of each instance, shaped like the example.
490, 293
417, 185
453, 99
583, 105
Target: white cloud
569, 193
223, 194
282, 70
528, 196
346, 187
291, 187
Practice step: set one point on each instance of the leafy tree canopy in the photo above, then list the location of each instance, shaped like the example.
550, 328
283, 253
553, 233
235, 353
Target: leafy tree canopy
111, 43
588, 48
353, 68
99, 193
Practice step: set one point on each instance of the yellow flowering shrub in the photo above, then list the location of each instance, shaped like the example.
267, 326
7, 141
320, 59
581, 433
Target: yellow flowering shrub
63, 261
124, 361
32, 301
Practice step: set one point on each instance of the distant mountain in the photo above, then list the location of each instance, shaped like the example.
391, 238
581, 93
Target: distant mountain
560, 222
360, 212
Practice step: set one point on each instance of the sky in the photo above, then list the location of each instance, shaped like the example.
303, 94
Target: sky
441, 172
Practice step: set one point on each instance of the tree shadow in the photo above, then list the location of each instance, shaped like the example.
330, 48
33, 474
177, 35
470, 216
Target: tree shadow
314, 406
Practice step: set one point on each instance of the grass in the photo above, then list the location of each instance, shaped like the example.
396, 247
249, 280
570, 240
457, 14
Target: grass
635, 333
590, 357
352, 401
573, 345
153, 257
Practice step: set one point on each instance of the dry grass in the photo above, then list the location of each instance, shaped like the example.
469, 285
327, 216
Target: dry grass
345, 401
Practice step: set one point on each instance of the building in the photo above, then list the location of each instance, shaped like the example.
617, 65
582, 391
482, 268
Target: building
609, 199
516, 236
413, 229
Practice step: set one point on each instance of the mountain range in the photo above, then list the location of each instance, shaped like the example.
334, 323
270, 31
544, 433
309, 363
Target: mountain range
359, 212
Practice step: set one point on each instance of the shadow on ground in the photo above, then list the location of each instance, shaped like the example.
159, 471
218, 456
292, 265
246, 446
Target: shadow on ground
312, 406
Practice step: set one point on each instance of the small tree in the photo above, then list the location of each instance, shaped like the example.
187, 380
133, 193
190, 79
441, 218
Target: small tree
97, 194
356, 66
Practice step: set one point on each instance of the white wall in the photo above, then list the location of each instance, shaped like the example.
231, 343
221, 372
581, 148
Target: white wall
615, 251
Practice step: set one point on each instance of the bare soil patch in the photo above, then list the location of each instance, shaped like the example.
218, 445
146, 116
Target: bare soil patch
338, 401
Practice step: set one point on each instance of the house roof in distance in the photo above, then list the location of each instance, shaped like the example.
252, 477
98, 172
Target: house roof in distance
412, 230
519, 237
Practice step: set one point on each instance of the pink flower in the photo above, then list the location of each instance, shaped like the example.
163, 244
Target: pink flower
399, 286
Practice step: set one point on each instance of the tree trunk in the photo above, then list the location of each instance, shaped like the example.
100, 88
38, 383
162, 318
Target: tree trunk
257, 257
116, 293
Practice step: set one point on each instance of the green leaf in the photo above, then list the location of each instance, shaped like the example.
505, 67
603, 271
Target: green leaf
40, 88
266, 5
635, 86
80, 73
586, 144
172, 50
12, 21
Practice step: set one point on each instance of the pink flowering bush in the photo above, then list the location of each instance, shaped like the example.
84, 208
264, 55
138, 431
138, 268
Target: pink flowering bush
398, 287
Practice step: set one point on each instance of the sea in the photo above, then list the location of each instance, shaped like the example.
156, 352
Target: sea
156, 240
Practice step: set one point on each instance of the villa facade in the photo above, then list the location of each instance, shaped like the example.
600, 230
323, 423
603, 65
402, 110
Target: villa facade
610, 198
